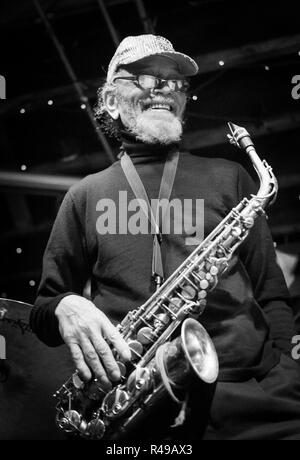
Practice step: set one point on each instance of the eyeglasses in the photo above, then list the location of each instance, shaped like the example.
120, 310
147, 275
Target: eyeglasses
149, 82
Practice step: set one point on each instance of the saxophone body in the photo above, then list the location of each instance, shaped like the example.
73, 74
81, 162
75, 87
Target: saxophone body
162, 355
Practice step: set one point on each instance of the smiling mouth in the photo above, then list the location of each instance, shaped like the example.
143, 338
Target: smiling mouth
159, 106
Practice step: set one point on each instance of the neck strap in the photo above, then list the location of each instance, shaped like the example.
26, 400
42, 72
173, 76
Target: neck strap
152, 213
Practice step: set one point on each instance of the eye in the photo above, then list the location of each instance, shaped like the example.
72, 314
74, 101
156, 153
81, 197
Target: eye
147, 81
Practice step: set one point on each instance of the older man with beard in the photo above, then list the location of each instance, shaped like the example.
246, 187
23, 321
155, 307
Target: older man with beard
142, 102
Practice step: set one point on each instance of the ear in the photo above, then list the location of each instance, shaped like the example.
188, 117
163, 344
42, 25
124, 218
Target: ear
111, 104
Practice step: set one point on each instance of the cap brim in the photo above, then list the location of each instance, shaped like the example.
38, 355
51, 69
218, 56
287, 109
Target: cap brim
187, 66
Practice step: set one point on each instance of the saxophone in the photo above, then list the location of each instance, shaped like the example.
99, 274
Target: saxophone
162, 359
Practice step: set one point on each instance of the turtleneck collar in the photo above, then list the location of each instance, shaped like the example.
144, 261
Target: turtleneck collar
148, 153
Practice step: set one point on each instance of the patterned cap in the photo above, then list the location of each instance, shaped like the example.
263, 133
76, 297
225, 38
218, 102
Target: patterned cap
135, 48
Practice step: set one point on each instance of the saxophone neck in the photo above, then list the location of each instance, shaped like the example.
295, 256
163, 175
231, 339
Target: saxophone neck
268, 183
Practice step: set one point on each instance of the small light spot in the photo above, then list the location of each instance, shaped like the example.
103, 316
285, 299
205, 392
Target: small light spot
83, 106
23, 168
19, 251
22, 110
195, 98
267, 67
221, 63
32, 283
50, 102
275, 244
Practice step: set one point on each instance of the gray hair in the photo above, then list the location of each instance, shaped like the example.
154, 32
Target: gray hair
107, 123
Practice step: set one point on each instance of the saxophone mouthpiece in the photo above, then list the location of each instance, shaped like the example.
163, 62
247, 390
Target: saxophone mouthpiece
239, 136
233, 127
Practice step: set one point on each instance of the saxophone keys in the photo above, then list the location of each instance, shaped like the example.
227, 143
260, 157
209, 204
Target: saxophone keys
202, 305
115, 402
145, 335
71, 420
139, 380
204, 284
201, 274
248, 221
162, 319
95, 428
176, 304
202, 294
188, 292
214, 270
122, 368
136, 349
199, 307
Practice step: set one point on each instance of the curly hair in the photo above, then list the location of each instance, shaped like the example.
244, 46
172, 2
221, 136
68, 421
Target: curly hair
108, 124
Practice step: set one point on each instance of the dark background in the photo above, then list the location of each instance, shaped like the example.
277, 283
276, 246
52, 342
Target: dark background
259, 43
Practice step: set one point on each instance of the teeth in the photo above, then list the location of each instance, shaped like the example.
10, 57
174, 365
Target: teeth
160, 106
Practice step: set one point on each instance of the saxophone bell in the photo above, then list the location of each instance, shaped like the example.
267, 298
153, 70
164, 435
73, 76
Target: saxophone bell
193, 349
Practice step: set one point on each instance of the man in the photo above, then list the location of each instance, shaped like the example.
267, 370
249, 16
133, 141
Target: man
143, 102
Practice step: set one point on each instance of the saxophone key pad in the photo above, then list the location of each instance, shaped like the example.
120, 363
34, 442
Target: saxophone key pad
188, 292
72, 419
202, 294
95, 428
145, 335
136, 349
214, 270
204, 284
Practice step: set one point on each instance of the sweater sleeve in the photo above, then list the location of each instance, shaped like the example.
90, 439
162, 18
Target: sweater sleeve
258, 255
65, 271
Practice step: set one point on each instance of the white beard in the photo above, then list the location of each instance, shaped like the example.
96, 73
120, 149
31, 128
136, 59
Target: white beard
150, 127
152, 130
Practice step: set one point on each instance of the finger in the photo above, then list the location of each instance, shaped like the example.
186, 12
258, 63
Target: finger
116, 339
77, 356
92, 360
107, 358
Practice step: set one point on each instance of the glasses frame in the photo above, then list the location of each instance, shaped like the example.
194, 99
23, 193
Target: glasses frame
158, 82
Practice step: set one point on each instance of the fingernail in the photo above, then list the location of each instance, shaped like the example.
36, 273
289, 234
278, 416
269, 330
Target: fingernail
115, 375
127, 355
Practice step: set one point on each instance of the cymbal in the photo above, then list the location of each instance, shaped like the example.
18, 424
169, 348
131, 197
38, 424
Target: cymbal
29, 376
15, 312
13, 303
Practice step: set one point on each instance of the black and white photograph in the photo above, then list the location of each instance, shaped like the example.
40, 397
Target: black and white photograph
150, 223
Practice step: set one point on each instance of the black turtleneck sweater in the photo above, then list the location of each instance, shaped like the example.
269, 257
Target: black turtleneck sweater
247, 315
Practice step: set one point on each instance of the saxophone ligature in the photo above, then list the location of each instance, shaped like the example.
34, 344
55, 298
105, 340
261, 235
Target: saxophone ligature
162, 359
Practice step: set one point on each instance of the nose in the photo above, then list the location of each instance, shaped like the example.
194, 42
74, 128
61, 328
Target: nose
162, 89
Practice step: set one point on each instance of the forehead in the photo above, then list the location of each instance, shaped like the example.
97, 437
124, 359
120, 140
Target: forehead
161, 66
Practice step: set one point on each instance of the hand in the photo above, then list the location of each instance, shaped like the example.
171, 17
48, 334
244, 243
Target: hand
86, 331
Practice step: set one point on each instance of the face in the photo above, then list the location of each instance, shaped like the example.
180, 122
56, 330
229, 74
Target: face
151, 116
